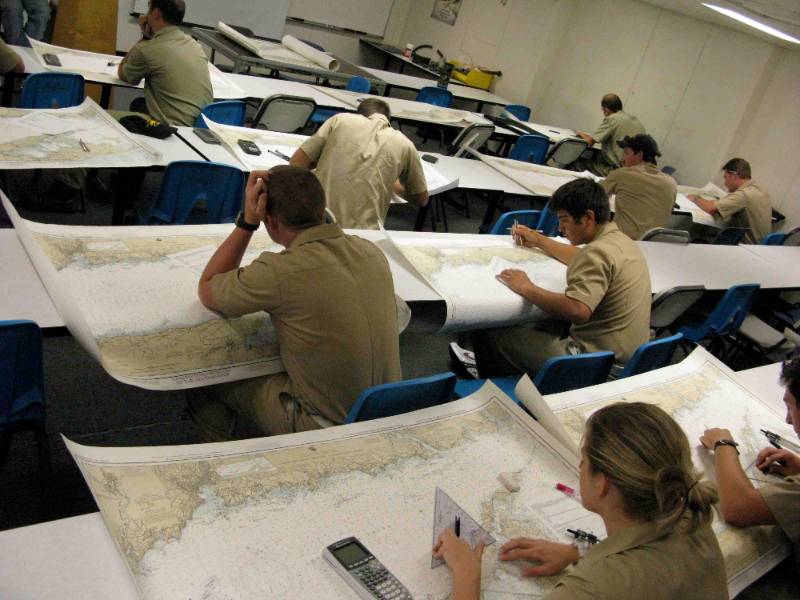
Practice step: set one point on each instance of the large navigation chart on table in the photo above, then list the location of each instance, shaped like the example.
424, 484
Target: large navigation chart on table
699, 393
129, 295
463, 269
249, 519
83, 135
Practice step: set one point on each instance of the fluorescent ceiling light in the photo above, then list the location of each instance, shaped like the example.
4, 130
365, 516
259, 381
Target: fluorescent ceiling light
752, 23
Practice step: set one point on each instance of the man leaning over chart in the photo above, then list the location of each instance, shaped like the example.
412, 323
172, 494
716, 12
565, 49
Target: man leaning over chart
607, 299
331, 300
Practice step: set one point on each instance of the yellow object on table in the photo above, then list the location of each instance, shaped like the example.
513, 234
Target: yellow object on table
474, 77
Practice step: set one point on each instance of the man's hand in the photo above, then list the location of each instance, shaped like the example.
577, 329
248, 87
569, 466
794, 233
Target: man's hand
515, 280
147, 33
457, 554
778, 461
712, 436
255, 197
551, 556
525, 236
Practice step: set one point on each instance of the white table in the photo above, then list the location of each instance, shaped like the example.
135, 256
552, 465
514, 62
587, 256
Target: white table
263, 87
764, 383
26, 297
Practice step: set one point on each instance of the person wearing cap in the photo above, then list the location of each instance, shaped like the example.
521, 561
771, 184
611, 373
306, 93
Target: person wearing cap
616, 125
747, 205
362, 161
644, 195
743, 505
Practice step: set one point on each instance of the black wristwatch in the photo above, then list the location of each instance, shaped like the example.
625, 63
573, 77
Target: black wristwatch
730, 443
240, 222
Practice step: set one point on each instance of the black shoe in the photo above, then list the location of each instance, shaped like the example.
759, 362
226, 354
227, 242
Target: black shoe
463, 362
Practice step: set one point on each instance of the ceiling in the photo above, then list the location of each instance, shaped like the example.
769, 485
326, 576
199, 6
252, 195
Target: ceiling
783, 15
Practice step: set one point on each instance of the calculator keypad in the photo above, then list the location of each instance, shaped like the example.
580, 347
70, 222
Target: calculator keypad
380, 582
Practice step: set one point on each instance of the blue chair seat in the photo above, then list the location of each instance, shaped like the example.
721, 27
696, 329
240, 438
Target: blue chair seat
226, 112
529, 218
52, 90
400, 397
522, 112
466, 387
727, 316
652, 355
530, 148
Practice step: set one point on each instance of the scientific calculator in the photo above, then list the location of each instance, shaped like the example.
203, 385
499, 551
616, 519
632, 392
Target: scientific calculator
363, 572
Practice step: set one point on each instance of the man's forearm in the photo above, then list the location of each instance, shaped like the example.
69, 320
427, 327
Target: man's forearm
561, 252
706, 205
557, 305
739, 501
586, 137
229, 255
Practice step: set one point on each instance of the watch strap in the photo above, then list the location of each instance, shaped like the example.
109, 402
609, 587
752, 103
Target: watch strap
243, 224
730, 443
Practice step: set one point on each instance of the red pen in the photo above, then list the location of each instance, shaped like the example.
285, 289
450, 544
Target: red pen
565, 489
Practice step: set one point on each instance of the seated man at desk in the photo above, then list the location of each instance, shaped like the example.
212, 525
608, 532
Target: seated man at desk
10, 61
644, 196
331, 300
176, 87
741, 504
747, 205
616, 125
362, 161
607, 300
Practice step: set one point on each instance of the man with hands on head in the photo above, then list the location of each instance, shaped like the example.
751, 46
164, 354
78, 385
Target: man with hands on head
636, 472
741, 504
330, 297
606, 302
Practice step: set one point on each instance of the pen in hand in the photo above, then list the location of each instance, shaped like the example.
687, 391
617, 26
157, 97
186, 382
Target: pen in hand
457, 527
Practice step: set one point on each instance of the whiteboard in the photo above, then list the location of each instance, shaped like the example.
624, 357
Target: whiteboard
265, 17
369, 16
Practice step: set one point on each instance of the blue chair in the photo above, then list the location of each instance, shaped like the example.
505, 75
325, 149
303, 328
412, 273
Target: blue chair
730, 236
504, 222
558, 374
548, 222
22, 404
391, 399
436, 96
358, 84
725, 319
774, 239
652, 355
522, 112
226, 112
52, 90
187, 182
530, 148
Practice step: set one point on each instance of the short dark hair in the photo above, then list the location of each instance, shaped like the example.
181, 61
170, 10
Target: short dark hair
790, 376
579, 196
172, 11
295, 197
611, 102
370, 106
641, 143
739, 166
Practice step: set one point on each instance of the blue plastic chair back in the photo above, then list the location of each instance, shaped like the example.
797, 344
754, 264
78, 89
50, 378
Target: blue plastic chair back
52, 90
730, 236
188, 182
401, 397
21, 381
652, 355
502, 226
522, 112
530, 148
564, 373
465, 387
548, 222
774, 239
435, 95
226, 112
728, 314
358, 84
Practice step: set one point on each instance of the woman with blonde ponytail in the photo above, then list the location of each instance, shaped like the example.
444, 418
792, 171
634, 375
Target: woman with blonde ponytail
636, 472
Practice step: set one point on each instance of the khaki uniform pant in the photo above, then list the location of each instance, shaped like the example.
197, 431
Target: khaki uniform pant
520, 349
265, 400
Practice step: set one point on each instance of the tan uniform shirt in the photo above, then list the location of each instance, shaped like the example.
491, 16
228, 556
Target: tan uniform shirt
610, 276
358, 160
175, 72
748, 207
8, 58
331, 299
636, 564
613, 128
644, 198
783, 500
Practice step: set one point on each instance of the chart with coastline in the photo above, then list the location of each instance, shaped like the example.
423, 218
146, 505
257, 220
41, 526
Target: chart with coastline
250, 518
700, 392
463, 269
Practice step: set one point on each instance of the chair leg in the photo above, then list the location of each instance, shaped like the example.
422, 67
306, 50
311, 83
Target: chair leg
5, 447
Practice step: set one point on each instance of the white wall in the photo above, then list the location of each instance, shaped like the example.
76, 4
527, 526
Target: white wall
706, 93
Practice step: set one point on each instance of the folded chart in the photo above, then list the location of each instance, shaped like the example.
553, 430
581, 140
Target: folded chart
129, 296
699, 392
249, 519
